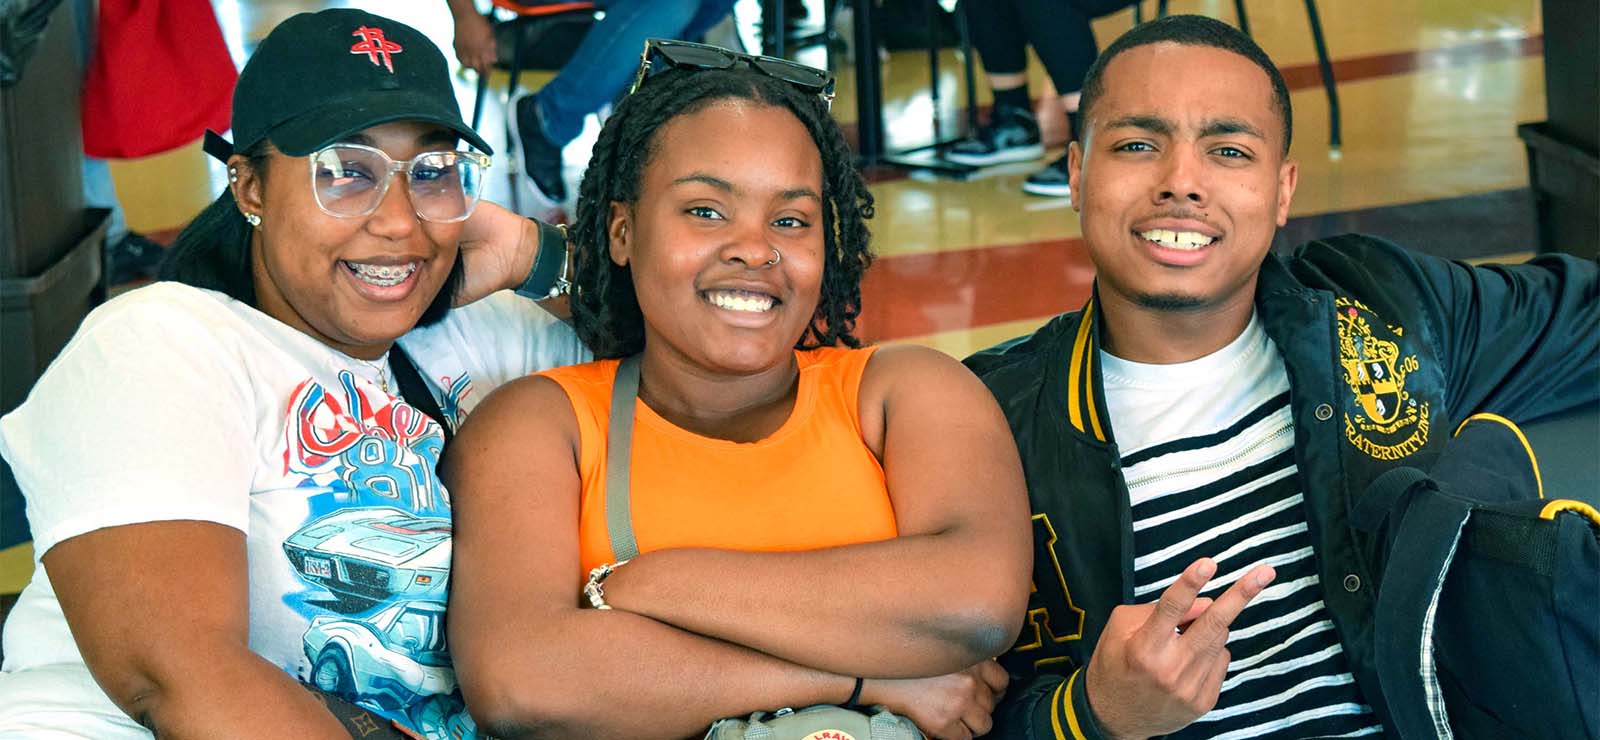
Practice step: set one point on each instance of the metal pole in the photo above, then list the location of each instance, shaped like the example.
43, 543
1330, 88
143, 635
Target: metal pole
967, 65
1328, 84
869, 86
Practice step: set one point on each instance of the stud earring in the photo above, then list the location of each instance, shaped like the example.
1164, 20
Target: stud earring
255, 221
233, 174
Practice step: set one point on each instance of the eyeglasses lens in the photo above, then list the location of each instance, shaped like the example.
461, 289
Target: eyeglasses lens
445, 186
348, 181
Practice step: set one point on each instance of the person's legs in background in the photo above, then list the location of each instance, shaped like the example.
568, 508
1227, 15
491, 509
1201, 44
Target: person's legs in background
597, 74
128, 256
1011, 133
1064, 42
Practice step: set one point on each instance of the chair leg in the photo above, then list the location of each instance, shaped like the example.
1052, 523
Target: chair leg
1161, 8
513, 146
1328, 84
1138, 12
483, 86
477, 104
1244, 21
933, 66
969, 70
830, 32
773, 32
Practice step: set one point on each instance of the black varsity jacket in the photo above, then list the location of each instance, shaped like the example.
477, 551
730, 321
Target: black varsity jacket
1387, 353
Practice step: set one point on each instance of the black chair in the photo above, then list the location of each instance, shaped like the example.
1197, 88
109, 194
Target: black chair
869, 92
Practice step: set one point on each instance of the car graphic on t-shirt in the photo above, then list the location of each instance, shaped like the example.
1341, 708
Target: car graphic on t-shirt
390, 660
367, 555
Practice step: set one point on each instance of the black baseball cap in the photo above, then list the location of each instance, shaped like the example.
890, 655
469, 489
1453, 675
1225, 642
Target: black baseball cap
318, 77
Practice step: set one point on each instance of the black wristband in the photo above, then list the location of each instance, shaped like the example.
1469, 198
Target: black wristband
547, 261
855, 695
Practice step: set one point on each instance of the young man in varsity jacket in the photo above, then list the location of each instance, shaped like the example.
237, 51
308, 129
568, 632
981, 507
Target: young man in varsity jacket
1195, 436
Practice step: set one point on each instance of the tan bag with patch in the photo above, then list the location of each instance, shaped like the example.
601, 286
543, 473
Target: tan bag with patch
821, 722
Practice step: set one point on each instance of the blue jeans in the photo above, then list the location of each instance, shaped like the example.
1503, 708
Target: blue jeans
606, 61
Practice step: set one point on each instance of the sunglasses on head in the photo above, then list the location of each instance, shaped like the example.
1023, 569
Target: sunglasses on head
663, 54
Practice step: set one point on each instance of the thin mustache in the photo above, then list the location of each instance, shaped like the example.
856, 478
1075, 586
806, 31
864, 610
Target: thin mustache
1183, 215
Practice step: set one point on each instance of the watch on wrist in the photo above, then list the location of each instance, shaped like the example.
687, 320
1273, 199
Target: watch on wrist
552, 265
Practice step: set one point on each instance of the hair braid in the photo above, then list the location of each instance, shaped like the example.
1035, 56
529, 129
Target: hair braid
605, 308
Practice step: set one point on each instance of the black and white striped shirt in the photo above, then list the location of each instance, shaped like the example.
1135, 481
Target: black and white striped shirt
1208, 456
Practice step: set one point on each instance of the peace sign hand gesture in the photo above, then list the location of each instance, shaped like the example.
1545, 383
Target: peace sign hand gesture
1159, 667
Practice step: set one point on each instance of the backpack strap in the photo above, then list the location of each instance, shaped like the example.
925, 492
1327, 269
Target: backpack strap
414, 391
1427, 530
619, 449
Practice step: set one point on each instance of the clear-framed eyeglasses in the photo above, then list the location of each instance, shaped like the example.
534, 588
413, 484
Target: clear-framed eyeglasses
350, 180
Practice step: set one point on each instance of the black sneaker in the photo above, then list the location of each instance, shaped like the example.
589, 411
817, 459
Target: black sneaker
541, 157
1011, 135
133, 257
1051, 181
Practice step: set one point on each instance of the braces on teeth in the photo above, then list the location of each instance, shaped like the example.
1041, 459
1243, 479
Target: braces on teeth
385, 275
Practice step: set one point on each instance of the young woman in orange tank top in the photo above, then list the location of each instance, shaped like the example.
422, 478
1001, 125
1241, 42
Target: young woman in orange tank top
809, 514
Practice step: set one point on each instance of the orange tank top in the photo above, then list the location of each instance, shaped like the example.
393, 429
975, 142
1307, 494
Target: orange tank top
811, 484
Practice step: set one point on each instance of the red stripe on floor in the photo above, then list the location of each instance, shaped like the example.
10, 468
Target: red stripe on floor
1303, 76
916, 294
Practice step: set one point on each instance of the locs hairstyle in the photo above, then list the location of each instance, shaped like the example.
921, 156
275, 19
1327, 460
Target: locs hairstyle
1191, 30
605, 308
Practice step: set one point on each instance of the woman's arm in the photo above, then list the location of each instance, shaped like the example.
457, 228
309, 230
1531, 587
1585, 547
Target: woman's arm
949, 591
136, 450
531, 662
160, 612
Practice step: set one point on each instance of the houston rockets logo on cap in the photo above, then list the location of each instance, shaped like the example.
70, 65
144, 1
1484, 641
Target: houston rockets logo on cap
373, 44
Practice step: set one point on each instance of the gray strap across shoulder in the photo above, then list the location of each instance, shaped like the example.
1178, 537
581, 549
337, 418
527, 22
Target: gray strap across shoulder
619, 448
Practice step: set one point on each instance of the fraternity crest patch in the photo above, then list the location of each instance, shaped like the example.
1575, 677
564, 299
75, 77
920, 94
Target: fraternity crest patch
1384, 422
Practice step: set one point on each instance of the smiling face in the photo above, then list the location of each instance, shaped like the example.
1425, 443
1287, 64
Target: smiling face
1181, 180
724, 187
355, 284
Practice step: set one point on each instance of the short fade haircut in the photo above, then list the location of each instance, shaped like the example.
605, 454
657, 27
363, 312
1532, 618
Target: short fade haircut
1191, 30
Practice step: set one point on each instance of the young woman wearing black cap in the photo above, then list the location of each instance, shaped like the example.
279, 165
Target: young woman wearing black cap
230, 474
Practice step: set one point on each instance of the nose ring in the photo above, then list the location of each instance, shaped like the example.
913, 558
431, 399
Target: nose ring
776, 257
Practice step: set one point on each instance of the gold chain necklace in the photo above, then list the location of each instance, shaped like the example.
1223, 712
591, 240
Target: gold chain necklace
382, 370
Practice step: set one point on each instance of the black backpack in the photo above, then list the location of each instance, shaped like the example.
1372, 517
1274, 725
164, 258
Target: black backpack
1488, 611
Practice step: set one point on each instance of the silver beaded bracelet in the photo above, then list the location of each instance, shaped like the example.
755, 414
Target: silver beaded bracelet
593, 589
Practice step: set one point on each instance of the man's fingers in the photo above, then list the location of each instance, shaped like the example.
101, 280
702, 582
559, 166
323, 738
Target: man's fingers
1199, 607
1174, 604
1210, 628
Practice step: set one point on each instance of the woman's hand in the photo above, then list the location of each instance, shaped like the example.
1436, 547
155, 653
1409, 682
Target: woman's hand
497, 251
956, 706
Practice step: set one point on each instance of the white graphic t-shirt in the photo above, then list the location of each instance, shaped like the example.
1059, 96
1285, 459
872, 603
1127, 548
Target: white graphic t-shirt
178, 403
